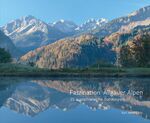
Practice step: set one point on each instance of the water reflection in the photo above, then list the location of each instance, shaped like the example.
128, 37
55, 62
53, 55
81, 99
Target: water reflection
32, 96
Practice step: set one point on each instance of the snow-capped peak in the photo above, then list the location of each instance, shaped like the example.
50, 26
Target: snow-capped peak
101, 21
91, 20
28, 18
24, 25
62, 21
145, 10
64, 25
91, 24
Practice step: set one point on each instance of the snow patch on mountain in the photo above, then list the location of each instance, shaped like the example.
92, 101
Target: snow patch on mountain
91, 24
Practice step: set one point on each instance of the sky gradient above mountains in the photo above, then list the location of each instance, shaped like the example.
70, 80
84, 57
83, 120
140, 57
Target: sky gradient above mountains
77, 10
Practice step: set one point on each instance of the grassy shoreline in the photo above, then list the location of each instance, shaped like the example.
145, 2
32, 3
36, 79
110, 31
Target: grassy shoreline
16, 70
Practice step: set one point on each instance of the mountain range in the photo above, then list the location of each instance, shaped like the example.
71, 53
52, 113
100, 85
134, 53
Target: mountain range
87, 49
135, 18
29, 33
65, 44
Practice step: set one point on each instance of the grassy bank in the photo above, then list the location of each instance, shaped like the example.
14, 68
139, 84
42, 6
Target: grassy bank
22, 70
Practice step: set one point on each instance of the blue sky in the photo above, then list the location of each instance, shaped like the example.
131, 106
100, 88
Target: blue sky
76, 10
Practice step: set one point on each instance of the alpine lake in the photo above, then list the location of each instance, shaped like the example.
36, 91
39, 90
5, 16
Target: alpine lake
74, 100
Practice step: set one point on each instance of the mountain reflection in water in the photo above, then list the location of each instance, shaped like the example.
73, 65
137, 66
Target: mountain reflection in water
32, 96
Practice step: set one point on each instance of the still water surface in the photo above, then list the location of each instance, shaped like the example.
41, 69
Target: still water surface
59, 100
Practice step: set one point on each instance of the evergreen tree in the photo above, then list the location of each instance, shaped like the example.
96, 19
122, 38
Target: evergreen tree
5, 56
146, 45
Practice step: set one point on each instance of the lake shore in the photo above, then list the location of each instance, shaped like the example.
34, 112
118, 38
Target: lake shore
16, 70
88, 75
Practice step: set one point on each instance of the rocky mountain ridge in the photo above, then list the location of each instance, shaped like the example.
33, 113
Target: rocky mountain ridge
29, 33
7, 44
135, 18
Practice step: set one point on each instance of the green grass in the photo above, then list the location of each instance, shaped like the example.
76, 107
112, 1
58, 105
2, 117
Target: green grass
23, 70
137, 71
17, 69
93, 70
